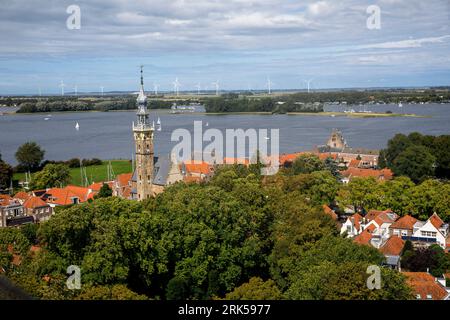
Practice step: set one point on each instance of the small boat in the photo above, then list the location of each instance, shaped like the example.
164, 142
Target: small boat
159, 124
207, 124
46, 119
400, 105
267, 138
77, 126
333, 115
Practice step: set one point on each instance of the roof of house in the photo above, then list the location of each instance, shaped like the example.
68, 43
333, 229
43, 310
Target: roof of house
371, 228
330, 212
161, 170
393, 247
124, 178
436, 221
5, 199
21, 195
356, 218
385, 174
64, 196
34, 202
236, 161
354, 163
373, 214
425, 286
197, 167
363, 238
405, 222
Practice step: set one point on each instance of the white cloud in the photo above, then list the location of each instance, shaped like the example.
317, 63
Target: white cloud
409, 43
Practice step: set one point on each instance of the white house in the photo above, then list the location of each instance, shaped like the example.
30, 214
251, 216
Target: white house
434, 230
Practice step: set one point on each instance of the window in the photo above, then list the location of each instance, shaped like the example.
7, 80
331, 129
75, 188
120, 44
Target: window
349, 229
429, 297
404, 232
75, 200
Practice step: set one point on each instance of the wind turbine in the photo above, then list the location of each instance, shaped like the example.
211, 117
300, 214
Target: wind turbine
101, 88
308, 82
62, 85
176, 86
216, 84
76, 90
198, 88
155, 88
269, 84
40, 93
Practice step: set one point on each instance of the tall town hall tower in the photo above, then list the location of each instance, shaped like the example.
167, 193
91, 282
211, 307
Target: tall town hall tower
143, 138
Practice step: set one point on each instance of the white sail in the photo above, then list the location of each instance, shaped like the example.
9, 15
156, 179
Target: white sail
77, 126
159, 121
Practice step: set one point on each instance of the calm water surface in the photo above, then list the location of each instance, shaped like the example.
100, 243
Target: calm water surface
108, 135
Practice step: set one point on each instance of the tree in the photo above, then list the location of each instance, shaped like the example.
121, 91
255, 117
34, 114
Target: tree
361, 193
30, 155
6, 174
415, 162
105, 191
330, 281
51, 176
307, 163
432, 259
256, 289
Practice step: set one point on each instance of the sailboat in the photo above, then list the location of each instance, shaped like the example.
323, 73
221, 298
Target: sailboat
77, 126
400, 104
159, 124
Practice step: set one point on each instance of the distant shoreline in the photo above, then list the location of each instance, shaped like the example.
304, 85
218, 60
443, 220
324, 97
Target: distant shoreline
323, 113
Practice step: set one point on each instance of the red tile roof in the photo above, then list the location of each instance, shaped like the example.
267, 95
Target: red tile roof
371, 228
436, 221
357, 218
330, 212
64, 196
5, 199
124, 179
424, 284
393, 247
354, 163
405, 222
363, 238
34, 202
383, 174
236, 161
197, 167
21, 195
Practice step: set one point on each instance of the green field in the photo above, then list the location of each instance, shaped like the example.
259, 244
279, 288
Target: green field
93, 173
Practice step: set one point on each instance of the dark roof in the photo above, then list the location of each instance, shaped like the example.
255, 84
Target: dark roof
19, 220
161, 170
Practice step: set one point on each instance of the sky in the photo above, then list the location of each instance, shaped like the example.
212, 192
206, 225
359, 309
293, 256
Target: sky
240, 43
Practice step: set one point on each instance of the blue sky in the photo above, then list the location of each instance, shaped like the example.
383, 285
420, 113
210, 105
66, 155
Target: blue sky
238, 42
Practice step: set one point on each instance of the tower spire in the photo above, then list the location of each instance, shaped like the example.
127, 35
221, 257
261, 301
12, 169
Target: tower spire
142, 77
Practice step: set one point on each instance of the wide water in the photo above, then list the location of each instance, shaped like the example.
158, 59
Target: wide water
108, 135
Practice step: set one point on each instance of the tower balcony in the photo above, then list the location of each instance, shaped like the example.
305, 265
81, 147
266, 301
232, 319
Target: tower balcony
142, 127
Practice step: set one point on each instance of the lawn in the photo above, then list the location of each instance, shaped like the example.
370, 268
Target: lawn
93, 173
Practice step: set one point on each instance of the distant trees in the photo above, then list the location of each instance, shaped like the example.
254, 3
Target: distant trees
30, 155
53, 175
400, 194
417, 156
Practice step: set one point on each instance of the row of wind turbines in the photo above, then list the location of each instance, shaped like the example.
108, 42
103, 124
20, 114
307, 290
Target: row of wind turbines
176, 87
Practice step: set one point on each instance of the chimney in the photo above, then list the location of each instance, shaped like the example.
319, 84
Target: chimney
428, 270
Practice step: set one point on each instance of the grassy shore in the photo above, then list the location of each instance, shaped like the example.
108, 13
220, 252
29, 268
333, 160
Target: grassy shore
358, 115
93, 173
